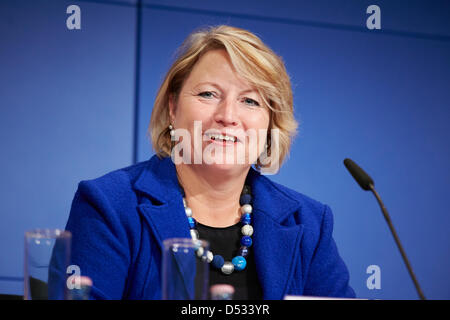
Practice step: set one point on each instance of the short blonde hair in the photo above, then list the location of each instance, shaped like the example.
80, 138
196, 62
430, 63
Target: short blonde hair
253, 60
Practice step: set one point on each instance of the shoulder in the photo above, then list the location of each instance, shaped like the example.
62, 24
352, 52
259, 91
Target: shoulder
119, 178
107, 206
304, 200
112, 194
310, 212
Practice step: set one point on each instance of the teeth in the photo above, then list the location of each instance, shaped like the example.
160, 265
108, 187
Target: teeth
222, 137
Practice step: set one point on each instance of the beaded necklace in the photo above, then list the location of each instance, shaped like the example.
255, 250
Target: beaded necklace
239, 262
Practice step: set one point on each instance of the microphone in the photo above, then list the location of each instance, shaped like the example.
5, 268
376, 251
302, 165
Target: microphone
366, 183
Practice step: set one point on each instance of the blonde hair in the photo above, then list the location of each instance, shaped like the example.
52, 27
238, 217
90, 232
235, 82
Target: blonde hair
253, 61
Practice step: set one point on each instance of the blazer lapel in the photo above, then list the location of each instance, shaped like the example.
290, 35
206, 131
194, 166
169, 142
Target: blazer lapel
163, 211
162, 206
276, 252
277, 236
166, 221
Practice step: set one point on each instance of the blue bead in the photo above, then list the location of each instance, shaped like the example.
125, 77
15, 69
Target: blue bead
245, 199
239, 263
243, 251
192, 222
217, 261
246, 218
246, 241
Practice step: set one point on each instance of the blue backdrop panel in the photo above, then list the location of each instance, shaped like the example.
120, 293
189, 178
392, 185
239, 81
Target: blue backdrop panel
400, 16
66, 113
379, 98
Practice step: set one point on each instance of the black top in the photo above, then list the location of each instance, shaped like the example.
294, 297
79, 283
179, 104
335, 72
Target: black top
226, 242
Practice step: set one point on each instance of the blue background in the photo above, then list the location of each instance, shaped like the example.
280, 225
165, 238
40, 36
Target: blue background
75, 104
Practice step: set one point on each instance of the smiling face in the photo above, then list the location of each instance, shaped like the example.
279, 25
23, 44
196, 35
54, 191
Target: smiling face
234, 121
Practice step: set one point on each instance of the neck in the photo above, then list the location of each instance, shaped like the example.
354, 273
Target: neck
213, 196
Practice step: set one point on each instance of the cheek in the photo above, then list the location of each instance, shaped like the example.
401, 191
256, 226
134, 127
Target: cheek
258, 122
258, 126
187, 113
192, 111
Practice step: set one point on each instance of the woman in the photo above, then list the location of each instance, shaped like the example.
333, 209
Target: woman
225, 104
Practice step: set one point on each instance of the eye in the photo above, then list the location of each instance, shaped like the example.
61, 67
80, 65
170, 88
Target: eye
251, 102
206, 94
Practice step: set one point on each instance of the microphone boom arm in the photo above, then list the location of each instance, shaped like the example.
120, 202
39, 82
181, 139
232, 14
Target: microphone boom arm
397, 241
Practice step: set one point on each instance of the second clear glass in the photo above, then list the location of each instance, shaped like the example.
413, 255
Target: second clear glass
185, 270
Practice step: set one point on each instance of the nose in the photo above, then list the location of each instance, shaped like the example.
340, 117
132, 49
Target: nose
226, 113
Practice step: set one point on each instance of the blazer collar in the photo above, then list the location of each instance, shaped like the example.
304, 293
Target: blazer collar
160, 182
276, 237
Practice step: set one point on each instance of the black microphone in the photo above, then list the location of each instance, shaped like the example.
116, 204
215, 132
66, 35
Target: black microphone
366, 182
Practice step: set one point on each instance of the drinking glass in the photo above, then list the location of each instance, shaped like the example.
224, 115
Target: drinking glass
47, 256
185, 270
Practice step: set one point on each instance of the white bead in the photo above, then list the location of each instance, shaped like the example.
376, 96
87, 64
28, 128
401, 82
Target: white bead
197, 244
246, 208
184, 202
172, 133
209, 256
227, 267
247, 230
194, 234
188, 211
200, 252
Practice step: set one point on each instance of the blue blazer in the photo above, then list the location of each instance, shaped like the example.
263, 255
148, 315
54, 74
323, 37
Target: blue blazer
119, 221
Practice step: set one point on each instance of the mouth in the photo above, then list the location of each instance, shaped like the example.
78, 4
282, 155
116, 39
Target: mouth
222, 138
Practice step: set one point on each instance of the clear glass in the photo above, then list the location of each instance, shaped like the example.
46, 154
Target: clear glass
47, 256
185, 270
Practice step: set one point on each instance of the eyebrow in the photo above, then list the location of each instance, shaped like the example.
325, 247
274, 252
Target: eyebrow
218, 87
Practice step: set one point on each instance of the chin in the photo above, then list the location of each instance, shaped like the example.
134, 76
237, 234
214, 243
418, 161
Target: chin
223, 165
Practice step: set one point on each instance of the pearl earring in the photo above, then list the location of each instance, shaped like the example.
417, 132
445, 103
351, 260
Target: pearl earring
172, 132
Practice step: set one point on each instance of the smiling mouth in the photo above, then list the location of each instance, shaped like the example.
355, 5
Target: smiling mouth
220, 138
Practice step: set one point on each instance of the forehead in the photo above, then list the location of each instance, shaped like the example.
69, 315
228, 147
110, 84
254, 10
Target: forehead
215, 66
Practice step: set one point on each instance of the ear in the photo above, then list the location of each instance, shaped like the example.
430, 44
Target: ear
172, 108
